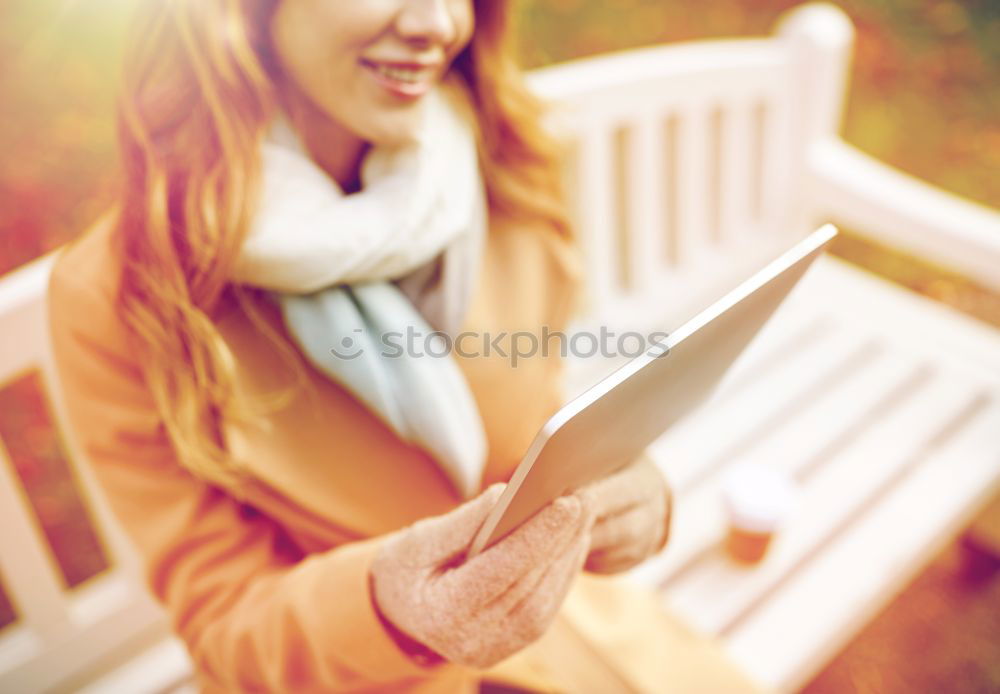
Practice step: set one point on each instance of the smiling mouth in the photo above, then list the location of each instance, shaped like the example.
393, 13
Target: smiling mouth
402, 79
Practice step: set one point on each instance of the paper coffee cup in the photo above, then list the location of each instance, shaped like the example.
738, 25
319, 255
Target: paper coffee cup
758, 500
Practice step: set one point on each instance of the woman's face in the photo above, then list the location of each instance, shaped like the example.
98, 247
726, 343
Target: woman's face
366, 64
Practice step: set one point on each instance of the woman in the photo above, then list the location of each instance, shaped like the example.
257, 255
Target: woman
301, 520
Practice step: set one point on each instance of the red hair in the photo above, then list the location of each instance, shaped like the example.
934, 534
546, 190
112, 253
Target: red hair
198, 94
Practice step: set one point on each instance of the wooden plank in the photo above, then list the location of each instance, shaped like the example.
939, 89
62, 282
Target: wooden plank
645, 210
737, 169
594, 217
74, 658
833, 595
775, 154
164, 667
901, 211
22, 313
18, 645
692, 181
641, 74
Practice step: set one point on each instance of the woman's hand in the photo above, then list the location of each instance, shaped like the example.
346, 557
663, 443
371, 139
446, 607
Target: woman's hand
632, 510
480, 611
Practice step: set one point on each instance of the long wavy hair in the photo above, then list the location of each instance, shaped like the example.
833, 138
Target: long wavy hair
199, 88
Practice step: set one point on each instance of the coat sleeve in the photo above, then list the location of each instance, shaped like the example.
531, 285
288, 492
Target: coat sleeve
255, 615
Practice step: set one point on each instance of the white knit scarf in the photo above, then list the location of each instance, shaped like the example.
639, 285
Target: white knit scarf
402, 253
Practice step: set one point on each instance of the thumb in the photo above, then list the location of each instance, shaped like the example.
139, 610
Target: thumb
435, 540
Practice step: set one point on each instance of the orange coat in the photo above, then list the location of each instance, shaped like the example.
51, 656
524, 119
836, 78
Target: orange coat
269, 588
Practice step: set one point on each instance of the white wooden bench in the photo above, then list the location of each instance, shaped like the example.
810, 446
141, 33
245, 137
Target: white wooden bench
693, 165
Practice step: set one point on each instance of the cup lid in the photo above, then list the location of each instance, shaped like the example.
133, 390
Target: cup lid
758, 497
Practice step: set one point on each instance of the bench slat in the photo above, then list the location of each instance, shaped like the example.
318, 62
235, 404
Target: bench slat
692, 182
739, 162
595, 217
645, 180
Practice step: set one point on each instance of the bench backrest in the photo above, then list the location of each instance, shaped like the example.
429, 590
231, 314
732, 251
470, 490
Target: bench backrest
688, 162
70, 577
685, 175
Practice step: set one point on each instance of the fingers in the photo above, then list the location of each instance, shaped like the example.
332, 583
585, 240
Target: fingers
435, 541
613, 561
491, 606
632, 530
533, 544
626, 540
527, 609
641, 524
631, 486
533, 613
530, 582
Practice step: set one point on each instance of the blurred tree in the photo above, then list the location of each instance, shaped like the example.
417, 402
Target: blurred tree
56, 102
925, 91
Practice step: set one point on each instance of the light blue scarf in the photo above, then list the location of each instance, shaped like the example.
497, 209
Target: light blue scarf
402, 254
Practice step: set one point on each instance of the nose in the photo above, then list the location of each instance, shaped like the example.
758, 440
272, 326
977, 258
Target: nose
426, 22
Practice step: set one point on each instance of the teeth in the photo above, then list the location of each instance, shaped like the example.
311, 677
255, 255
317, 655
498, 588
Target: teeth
401, 74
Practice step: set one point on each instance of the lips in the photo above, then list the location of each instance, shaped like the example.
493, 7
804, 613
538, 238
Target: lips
405, 79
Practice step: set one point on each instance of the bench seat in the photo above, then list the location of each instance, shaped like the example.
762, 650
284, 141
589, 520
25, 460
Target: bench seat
885, 407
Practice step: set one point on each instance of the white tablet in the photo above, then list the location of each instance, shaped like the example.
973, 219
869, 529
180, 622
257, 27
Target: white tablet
610, 424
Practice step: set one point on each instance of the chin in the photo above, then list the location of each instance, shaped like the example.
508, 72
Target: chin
392, 129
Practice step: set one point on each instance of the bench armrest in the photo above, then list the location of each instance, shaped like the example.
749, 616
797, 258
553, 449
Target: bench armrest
889, 206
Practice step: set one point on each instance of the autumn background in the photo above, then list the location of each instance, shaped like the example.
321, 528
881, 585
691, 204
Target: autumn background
925, 97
